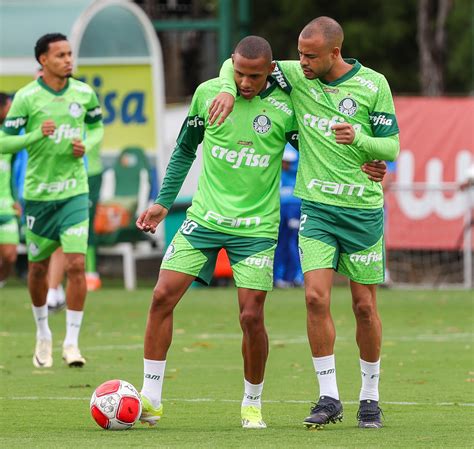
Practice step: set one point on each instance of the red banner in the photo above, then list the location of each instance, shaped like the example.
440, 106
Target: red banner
436, 147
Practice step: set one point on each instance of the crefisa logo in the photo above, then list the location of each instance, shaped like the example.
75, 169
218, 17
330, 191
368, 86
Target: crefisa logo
262, 124
348, 106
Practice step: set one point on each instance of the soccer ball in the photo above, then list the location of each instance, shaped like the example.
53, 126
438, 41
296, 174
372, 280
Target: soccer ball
116, 405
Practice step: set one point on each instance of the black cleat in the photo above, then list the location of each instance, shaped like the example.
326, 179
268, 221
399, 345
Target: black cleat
325, 411
369, 415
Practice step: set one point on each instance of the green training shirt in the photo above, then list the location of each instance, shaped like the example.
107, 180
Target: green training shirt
238, 188
329, 172
53, 173
6, 197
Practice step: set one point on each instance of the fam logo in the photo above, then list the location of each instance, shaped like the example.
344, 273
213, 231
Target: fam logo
75, 110
262, 124
169, 253
348, 106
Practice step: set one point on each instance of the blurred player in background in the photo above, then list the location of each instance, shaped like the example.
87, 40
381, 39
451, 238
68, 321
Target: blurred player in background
287, 272
236, 207
9, 209
346, 118
56, 111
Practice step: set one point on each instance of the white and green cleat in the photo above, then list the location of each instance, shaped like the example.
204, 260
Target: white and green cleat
252, 417
150, 415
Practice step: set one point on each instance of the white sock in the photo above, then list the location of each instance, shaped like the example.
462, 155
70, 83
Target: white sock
153, 376
51, 297
60, 295
370, 372
252, 394
41, 319
325, 368
73, 326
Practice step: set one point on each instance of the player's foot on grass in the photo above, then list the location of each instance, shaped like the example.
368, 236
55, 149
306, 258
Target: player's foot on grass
150, 415
252, 417
325, 411
369, 415
43, 357
72, 356
55, 301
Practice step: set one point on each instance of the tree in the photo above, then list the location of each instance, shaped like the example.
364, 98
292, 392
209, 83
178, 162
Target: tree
432, 41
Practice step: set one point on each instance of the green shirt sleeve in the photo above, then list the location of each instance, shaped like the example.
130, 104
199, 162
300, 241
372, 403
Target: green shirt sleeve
13, 144
381, 148
190, 136
226, 77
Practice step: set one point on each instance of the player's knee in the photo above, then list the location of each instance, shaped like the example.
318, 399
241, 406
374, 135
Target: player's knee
251, 319
10, 257
75, 266
164, 297
37, 270
364, 310
317, 301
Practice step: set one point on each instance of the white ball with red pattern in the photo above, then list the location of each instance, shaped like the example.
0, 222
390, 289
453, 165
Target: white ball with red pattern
116, 405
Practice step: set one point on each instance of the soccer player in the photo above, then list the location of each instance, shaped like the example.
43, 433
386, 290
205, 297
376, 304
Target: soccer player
236, 207
9, 233
346, 118
56, 111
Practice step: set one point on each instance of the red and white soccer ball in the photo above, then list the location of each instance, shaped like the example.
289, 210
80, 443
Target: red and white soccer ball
116, 405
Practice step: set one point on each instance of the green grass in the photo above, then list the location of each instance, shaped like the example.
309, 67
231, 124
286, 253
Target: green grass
427, 360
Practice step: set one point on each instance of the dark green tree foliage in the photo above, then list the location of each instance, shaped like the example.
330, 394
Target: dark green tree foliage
380, 34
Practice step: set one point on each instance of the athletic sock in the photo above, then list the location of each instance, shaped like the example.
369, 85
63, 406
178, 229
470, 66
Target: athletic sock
73, 326
370, 373
60, 295
325, 368
153, 376
252, 394
40, 314
91, 259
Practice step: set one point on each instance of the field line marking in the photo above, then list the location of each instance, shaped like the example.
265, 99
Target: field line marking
69, 398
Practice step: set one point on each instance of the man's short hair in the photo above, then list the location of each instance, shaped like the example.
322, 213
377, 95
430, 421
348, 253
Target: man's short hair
42, 44
327, 27
254, 47
4, 98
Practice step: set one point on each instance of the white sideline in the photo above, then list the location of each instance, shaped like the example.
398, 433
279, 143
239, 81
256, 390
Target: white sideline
66, 398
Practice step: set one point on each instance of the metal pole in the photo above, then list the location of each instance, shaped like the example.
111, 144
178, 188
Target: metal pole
467, 256
225, 28
244, 18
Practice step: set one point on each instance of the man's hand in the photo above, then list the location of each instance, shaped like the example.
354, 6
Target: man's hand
17, 209
344, 133
78, 148
48, 127
375, 170
149, 220
221, 106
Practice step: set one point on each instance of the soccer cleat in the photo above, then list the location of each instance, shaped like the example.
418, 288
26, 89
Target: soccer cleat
72, 356
252, 417
43, 357
93, 282
150, 415
325, 411
369, 415
55, 301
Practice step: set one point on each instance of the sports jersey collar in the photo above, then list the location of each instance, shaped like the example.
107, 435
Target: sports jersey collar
266, 92
52, 91
356, 65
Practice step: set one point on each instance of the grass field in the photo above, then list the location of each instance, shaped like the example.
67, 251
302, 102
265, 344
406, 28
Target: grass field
426, 383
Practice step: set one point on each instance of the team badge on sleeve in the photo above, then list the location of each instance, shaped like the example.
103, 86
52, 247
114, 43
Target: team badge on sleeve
262, 124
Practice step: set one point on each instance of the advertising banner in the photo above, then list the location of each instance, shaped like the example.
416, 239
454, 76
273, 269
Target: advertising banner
437, 146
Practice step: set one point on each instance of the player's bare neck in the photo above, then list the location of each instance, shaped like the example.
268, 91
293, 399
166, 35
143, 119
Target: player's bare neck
54, 82
339, 69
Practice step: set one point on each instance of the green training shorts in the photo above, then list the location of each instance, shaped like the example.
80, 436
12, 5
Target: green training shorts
194, 250
347, 239
50, 224
9, 231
